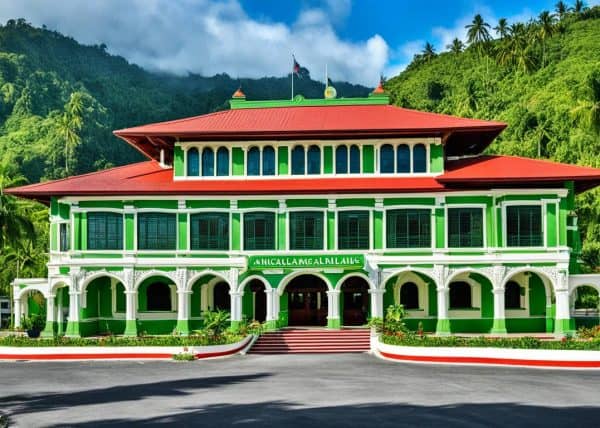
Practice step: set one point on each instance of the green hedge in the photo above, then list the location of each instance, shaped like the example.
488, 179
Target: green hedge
488, 342
194, 340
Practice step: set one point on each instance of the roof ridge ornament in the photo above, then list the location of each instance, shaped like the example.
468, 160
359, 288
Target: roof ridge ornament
239, 94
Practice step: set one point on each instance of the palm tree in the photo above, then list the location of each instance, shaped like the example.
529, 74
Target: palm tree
456, 46
587, 111
14, 223
502, 28
69, 125
516, 50
579, 6
428, 52
547, 29
478, 31
561, 9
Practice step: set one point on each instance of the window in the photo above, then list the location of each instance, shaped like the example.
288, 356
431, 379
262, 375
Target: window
409, 295
259, 231
313, 164
208, 162
221, 298
341, 160
193, 162
419, 158
158, 295
157, 231
460, 295
386, 157
222, 162
254, 161
465, 227
64, 241
524, 226
353, 230
268, 161
298, 167
512, 295
210, 231
354, 160
403, 158
408, 228
306, 230
105, 231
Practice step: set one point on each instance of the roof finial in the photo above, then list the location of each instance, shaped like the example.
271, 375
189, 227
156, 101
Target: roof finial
239, 93
379, 89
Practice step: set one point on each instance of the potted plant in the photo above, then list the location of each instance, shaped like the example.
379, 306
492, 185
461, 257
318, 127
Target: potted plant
33, 324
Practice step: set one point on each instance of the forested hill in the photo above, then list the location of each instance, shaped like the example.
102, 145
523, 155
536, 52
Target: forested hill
60, 100
541, 77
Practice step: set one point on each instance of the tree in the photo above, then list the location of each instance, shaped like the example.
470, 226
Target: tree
547, 29
456, 46
579, 6
587, 110
502, 28
561, 9
14, 222
69, 126
478, 31
428, 52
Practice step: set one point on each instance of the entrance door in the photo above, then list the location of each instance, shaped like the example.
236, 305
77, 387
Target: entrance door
355, 301
307, 301
260, 300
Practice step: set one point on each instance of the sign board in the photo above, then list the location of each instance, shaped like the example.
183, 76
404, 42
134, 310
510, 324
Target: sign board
355, 261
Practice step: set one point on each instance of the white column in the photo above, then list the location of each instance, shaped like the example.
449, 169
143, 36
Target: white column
443, 323
130, 312
271, 294
499, 325
74, 308
333, 309
17, 313
50, 316
183, 304
236, 306
377, 303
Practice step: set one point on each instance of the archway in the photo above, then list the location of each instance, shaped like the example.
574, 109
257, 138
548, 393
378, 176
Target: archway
307, 301
221, 298
355, 301
254, 302
585, 306
102, 297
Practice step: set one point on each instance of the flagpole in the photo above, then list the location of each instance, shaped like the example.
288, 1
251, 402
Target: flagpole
326, 80
293, 64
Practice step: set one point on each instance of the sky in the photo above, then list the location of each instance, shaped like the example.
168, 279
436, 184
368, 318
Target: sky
358, 40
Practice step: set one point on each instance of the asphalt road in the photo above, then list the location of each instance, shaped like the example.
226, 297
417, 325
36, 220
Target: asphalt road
311, 391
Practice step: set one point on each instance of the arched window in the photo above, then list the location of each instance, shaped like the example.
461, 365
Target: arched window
512, 295
354, 160
386, 159
403, 158
419, 158
158, 297
268, 161
221, 299
254, 161
193, 162
222, 162
298, 161
409, 295
460, 295
208, 162
313, 160
341, 160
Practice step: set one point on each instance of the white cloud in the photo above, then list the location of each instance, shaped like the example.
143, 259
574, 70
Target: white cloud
209, 37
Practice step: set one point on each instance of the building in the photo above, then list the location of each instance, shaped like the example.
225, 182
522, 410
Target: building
313, 212
4, 312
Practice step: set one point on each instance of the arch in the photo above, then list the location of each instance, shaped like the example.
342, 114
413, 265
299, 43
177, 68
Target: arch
253, 161
56, 284
460, 295
399, 273
355, 299
341, 160
158, 297
190, 283
354, 159
151, 274
546, 280
585, 284
97, 275
386, 159
193, 162
460, 272
19, 295
222, 162
403, 158
313, 160
254, 303
298, 161
208, 162
512, 295
576, 297
338, 284
268, 160
246, 281
409, 295
287, 279
419, 158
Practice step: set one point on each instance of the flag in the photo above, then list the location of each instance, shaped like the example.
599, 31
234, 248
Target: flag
296, 68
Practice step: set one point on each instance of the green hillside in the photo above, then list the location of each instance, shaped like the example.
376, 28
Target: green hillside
546, 88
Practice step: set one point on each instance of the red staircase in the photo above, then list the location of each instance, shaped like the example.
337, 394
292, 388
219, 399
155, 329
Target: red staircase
312, 341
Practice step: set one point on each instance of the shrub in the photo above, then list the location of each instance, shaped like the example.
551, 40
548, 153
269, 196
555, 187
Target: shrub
589, 332
184, 356
215, 322
35, 322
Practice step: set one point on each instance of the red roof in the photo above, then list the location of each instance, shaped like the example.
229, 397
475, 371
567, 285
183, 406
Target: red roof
329, 121
149, 178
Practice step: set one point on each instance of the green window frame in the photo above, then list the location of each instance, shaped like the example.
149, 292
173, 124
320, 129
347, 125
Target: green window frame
259, 231
157, 231
524, 226
408, 228
353, 230
306, 230
465, 227
104, 231
209, 231
64, 241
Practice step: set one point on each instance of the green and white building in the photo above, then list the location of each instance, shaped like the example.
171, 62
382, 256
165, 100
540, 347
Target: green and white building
313, 212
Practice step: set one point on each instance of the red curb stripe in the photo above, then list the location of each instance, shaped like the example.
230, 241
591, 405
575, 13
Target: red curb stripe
497, 361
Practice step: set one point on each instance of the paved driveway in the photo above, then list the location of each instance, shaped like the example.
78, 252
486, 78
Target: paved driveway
311, 391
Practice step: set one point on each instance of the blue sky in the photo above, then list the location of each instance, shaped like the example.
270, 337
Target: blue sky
358, 40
